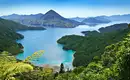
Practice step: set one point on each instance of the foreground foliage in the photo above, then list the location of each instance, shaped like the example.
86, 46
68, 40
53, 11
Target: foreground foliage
9, 67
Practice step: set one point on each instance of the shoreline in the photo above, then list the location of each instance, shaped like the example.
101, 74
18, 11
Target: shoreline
67, 65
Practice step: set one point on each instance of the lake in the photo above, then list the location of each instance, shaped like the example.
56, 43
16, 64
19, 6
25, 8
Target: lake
47, 40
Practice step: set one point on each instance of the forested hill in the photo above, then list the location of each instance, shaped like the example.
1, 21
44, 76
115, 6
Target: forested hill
91, 45
8, 35
112, 65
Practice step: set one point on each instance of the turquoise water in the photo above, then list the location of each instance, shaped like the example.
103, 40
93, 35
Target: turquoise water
46, 40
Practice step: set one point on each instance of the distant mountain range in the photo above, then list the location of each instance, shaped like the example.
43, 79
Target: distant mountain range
103, 19
49, 19
79, 19
53, 19
96, 20
125, 17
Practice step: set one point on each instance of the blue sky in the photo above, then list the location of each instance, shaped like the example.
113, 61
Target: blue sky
67, 8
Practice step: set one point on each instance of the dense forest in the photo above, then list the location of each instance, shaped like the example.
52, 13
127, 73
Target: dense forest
113, 64
8, 35
93, 44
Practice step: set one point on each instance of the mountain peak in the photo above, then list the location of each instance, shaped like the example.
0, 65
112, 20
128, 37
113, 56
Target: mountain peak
52, 11
51, 14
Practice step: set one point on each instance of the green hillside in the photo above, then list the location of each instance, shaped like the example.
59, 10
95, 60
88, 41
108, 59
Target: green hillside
91, 45
8, 35
112, 65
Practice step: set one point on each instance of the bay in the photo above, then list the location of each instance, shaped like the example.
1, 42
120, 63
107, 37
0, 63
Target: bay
47, 40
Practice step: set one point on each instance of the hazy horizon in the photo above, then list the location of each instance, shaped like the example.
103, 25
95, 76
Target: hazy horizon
66, 8
64, 16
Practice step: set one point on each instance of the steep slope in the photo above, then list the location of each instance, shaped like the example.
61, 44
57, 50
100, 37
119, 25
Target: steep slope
52, 15
112, 65
49, 19
92, 45
8, 35
53, 19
